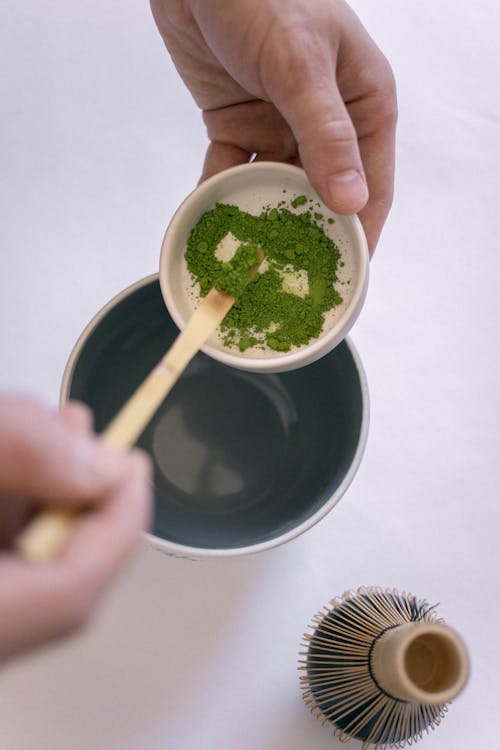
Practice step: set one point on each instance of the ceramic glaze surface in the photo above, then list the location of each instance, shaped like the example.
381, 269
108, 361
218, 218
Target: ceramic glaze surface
239, 458
253, 188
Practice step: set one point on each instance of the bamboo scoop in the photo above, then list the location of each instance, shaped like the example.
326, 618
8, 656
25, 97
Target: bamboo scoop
45, 536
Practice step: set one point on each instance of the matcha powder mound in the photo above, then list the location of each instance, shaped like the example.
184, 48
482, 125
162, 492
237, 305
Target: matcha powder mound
284, 304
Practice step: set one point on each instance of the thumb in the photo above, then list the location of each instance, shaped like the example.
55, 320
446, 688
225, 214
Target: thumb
327, 142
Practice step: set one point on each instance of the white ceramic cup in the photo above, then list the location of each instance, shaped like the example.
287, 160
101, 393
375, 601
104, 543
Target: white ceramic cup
252, 187
242, 461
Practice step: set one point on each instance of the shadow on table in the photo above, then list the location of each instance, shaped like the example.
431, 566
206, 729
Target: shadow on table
303, 731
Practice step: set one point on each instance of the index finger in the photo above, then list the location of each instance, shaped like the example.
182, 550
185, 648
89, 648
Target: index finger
43, 458
375, 120
40, 603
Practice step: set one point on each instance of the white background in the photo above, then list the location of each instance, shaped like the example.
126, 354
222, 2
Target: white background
99, 143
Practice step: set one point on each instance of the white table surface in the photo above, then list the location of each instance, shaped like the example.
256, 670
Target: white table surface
99, 142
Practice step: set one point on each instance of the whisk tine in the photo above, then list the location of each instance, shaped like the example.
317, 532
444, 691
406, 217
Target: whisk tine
344, 681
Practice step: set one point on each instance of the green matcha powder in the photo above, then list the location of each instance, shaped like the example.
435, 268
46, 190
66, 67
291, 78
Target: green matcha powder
265, 313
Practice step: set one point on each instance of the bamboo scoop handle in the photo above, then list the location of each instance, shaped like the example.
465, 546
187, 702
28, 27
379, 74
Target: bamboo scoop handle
45, 536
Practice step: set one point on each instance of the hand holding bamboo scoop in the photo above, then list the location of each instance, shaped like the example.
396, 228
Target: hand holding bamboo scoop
45, 536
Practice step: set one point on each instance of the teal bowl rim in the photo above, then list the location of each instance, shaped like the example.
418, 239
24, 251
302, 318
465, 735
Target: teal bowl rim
174, 549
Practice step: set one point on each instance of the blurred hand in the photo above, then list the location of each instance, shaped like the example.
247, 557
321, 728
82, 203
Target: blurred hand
54, 458
298, 81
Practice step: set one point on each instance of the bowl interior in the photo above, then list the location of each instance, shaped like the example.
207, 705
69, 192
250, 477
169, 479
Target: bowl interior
253, 187
239, 458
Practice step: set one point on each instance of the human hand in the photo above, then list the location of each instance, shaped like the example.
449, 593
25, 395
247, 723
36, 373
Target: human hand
49, 458
298, 81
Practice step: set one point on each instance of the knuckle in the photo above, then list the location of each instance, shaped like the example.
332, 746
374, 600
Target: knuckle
211, 119
386, 97
288, 144
381, 202
388, 112
80, 410
337, 129
25, 450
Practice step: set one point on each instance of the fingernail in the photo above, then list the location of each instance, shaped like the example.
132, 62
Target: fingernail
348, 190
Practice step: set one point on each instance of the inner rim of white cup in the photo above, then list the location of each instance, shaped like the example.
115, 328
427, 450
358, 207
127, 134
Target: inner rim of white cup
185, 551
206, 195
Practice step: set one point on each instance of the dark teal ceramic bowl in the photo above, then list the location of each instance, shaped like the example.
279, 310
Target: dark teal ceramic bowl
242, 461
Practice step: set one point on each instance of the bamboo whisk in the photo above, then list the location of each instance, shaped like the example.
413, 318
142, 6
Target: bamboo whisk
381, 667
